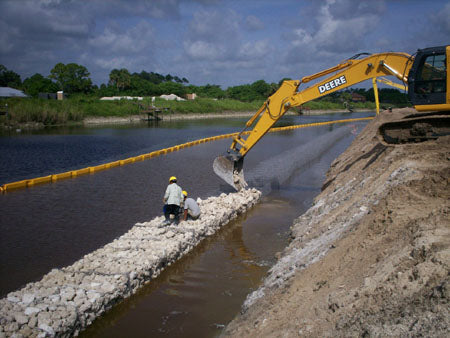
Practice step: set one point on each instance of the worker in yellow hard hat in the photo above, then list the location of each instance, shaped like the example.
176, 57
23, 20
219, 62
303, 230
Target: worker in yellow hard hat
172, 200
191, 208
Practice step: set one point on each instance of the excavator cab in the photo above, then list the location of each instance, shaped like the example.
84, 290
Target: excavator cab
428, 80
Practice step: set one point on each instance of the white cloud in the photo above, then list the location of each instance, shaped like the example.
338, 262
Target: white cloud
253, 23
212, 35
301, 37
441, 21
110, 63
114, 40
333, 34
213, 25
203, 50
253, 50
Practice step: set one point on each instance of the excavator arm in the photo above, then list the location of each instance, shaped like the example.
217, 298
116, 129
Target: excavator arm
348, 73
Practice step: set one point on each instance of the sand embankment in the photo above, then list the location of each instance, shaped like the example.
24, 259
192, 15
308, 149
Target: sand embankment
371, 257
67, 300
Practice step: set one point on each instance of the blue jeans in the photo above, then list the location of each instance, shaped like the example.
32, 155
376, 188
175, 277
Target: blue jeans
172, 209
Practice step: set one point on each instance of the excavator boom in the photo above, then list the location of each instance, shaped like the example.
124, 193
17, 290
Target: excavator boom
346, 74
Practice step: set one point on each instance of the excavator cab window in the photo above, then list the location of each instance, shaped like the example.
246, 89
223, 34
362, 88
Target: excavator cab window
428, 77
432, 75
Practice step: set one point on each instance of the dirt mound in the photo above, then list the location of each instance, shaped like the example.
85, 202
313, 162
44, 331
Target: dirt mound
371, 256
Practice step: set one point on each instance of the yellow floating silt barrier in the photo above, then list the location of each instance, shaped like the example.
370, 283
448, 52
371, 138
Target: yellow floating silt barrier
98, 168
75, 173
15, 185
41, 180
83, 171
61, 176
114, 164
126, 161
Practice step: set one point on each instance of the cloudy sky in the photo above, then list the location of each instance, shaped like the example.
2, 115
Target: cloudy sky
224, 42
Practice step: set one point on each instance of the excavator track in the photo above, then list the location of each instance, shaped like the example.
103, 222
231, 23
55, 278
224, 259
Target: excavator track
416, 128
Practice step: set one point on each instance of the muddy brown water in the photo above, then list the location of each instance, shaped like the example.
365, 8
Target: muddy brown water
54, 225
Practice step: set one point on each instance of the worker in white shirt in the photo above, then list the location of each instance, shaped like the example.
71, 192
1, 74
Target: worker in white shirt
173, 199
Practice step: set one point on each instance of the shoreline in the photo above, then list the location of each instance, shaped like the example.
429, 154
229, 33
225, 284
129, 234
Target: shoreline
90, 121
177, 117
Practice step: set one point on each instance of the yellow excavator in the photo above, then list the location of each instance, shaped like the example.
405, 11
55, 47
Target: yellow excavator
424, 75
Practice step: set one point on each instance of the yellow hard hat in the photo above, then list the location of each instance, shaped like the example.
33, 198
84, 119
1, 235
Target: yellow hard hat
185, 193
172, 178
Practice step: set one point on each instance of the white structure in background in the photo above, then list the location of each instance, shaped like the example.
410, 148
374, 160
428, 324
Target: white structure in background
112, 98
11, 92
172, 97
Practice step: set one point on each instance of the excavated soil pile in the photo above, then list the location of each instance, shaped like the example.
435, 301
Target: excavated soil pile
371, 256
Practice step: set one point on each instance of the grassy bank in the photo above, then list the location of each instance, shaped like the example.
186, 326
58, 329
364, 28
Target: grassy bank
51, 112
75, 109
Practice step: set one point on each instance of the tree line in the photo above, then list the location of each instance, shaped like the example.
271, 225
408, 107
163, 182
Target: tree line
75, 79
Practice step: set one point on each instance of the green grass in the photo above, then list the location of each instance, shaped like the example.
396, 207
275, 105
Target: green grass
204, 106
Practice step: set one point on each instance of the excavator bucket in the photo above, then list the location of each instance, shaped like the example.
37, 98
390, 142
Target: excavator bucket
230, 171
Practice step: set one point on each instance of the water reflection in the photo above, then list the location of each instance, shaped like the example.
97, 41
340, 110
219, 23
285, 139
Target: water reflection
53, 225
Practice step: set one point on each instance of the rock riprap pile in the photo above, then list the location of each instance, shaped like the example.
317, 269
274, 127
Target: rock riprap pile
67, 300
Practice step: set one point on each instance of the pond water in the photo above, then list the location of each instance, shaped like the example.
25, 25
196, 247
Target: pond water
53, 225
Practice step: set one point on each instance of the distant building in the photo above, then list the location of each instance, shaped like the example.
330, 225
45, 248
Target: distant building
47, 96
192, 96
11, 92
358, 97
171, 97
114, 98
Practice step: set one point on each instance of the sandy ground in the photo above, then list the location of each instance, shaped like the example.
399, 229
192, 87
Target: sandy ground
371, 256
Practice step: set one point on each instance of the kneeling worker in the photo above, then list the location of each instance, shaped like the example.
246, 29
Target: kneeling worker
173, 198
191, 208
